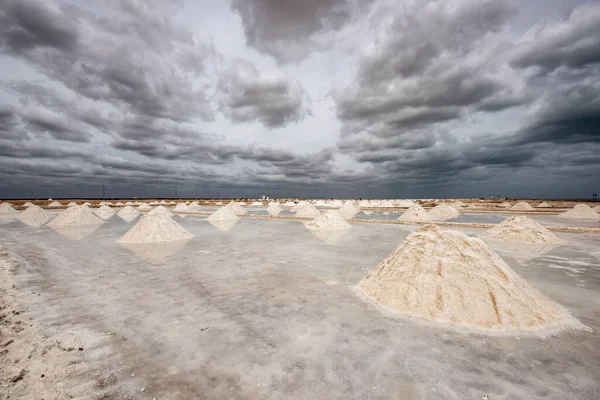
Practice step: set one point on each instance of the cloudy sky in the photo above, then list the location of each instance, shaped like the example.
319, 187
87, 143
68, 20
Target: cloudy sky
350, 98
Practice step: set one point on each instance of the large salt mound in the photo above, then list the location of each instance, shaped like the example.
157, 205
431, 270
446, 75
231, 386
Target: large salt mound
416, 213
581, 211
33, 212
347, 211
308, 211
54, 204
597, 209
223, 214
161, 211
104, 212
236, 208
543, 204
75, 216
521, 206
274, 209
328, 220
128, 214
449, 277
7, 208
144, 207
443, 212
152, 228
521, 229
181, 207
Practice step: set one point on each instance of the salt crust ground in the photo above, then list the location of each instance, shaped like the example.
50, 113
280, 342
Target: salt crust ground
451, 278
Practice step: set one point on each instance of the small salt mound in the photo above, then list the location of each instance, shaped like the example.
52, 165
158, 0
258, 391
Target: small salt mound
75, 216
416, 213
328, 220
33, 212
181, 207
308, 211
161, 211
405, 203
364, 203
347, 211
218, 203
543, 204
521, 206
472, 205
87, 203
128, 214
104, 212
274, 203
154, 203
28, 204
274, 210
152, 228
504, 204
337, 203
449, 277
236, 208
581, 211
443, 212
289, 204
194, 204
241, 203
71, 204
7, 208
223, 214
172, 203
120, 204
163, 202
105, 203
257, 203
54, 204
521, 229
144, 207
386, 204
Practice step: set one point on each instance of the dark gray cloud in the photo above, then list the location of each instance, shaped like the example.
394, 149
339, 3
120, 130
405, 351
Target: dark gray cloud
574, 43
270, 99
290, 30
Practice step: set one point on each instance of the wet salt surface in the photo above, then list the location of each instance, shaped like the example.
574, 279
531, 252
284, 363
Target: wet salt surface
265, 310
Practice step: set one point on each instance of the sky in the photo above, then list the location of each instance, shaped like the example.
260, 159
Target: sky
313, 98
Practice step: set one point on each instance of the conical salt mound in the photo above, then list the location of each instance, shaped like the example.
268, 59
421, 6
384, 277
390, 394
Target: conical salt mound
581, 211
256, 203
28, 204
161, 211
75, 216
33, 212
104, 212
449, 277
120, 204
328, 220
386, 204
153, 228
505, 204
597, 209
194, 204
54, 204
415, 213
236, 208
71, 204
543, 204
308, 211
144, 207
521, 206
181, 207
7, 208
223, 214
274, 210
347, 211
521, 229
128, 214
405, 203
443, 212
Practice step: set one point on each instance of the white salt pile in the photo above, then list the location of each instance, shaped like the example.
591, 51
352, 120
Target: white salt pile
218, 203
405, 203
104, 212
416, 213
364, 204
236, 208
504, 204
28, 204
472, 205
597, 209
274, 209
308, 211
521, 206
223, 214
443, 212
154, 203
194, 204
33, 212
181, 207
87, 203
161, 211
163, 202
241, 203
581, 211
54, 204
172, 203
75, 216
521, 229
105, 203
386, 204
328, 220
71, 204
274, 203
120, 204
128, 214
144, 207
257, 203
543, 204
157, 227
289, 204
451, 278
7, 208
347, 211
85, 208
